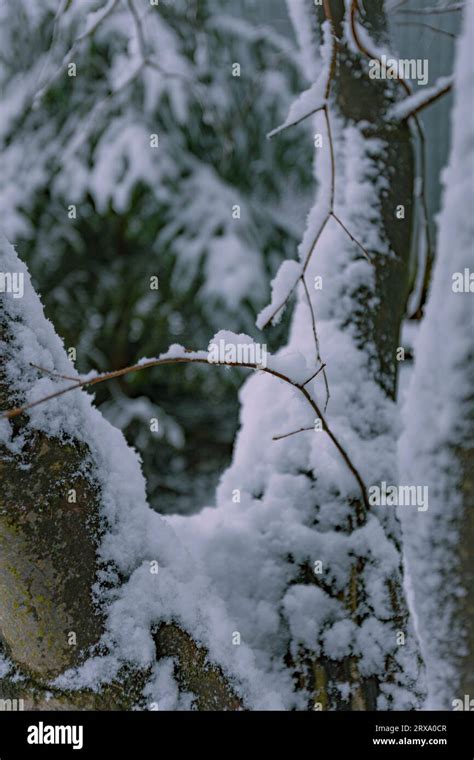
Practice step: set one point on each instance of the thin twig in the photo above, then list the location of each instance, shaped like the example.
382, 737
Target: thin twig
325, 220
325, 110
315, 374
426, 26
91, 381
316, 342
431, 96
354, 240
293, 432
55, 374
284, 127
327, 87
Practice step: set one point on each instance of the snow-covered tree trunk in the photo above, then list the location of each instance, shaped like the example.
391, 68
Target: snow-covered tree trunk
436, 449
374, 197
313, 572
294, 597
70, 485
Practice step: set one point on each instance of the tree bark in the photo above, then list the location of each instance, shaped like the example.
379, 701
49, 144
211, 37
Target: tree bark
375, 324
49, 621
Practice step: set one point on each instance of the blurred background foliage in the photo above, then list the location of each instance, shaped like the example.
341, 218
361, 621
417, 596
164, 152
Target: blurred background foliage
141, 212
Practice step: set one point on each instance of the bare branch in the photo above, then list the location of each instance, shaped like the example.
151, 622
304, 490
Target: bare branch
315, 374
54, 374
426, 26
201, 358
283, 127
351, 236
293, 432
316, 343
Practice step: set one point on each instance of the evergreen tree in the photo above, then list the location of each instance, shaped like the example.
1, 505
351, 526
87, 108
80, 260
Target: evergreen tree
138, 183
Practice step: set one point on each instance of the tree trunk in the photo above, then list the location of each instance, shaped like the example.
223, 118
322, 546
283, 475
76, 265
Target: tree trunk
375, 322
51, 527
436, 448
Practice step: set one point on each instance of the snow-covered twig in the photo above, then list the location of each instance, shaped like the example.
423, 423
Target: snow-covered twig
430, 10
279, 301
54, 374
98, 107
315, 98
292, 120
147, 60
293, 432
404, 109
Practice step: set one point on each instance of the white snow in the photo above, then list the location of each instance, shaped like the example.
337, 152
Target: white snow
438, 408
279, 503
314, 98
283, 284
136, 535
403, 108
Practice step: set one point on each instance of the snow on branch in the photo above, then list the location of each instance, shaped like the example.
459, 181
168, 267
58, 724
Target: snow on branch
93, 22
226, 349
408, 107
428, 11
315, 98
292, 272
308, 103
282, 285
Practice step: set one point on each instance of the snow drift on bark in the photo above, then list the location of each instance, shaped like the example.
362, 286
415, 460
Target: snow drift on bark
135, 535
